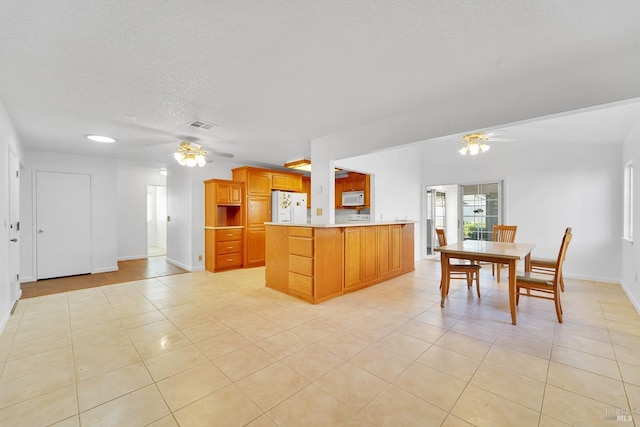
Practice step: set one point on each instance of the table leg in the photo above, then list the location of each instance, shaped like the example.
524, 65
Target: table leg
527, 262
512, 289
444, 280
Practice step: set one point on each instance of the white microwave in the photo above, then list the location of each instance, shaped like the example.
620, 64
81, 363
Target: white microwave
353, 198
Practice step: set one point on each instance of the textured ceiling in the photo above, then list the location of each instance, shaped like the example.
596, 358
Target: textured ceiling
274, 75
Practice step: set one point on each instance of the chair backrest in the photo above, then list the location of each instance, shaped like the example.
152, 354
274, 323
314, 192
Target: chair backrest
504, 233
563, 251
442, 239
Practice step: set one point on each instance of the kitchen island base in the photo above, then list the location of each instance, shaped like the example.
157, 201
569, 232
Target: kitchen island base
316, 263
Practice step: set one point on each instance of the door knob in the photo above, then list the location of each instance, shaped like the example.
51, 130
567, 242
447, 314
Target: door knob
15, 239
41, 230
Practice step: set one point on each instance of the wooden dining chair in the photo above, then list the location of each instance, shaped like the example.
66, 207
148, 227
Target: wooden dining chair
502, 233
467, 271
546, 266
538, 286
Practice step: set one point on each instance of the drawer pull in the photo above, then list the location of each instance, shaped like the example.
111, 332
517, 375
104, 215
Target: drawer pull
229, 234
229, 247
229, 259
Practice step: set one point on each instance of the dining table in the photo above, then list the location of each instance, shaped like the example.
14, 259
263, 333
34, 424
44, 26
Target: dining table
487, 251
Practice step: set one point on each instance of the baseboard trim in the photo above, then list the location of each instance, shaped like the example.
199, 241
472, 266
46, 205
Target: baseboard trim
179, 264
104, 270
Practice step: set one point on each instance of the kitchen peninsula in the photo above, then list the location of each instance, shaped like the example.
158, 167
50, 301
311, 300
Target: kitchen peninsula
315, 262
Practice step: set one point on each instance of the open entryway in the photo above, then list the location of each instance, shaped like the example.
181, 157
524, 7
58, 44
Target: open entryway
156, 220
464, 211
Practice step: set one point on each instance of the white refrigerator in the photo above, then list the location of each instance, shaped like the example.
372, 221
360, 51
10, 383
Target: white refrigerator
288, 208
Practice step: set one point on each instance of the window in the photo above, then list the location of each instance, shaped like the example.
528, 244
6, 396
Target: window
628, 202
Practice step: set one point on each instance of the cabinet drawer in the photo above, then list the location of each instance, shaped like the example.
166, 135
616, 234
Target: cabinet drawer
301, 232
301, 265
301, 284
230, 260
301, 246
227, 234
230, 247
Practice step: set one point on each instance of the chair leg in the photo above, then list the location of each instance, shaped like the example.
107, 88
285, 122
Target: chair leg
469, 279
556, 299
498, 267
562, 283
517, 295
478, 283
493, 269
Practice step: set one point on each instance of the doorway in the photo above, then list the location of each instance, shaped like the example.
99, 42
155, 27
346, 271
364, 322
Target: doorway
436, 216
480, 210
14, 228
156, 220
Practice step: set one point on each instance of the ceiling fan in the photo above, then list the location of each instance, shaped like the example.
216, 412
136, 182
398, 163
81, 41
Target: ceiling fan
477, 142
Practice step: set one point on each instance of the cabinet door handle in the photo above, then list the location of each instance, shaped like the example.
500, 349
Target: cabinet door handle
229, 247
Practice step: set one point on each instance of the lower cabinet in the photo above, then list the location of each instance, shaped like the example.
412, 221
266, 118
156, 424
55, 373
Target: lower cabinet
318, 263
223, 248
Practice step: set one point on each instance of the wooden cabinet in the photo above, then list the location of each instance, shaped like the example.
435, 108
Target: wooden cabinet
223, 213
286, 181
317, 263
305, 262
353, 182
229, 193
361, 255
258, 212
376, 253
223, 248
389, 249
306, 187
257, 206
222, 203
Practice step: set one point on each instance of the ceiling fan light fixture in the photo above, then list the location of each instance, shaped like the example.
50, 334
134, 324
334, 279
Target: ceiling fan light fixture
474, 144
190, 154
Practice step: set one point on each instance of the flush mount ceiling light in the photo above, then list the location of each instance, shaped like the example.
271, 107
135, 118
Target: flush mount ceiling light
190, 154
100, 138
301, 165
474, 144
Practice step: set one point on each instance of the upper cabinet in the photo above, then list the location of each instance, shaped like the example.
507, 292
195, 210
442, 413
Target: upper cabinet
353, 182
222, 203
286, 181
229, 193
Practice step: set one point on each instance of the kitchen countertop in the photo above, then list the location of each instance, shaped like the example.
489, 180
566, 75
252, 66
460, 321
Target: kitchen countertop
345, 224
223, 227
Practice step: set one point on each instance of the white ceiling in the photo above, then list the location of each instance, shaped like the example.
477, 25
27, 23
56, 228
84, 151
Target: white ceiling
274, 75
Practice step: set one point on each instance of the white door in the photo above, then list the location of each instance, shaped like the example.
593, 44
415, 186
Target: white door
63, 224
14, 227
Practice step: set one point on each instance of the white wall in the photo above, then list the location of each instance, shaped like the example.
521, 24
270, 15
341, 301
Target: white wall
549, 187
8, 140
631, 251
132, 209
104, 227
396, 190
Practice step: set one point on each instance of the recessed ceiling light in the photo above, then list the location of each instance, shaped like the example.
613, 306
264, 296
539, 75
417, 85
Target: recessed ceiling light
100, 138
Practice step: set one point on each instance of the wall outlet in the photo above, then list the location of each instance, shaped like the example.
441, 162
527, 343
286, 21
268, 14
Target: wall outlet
199, 257
318, 211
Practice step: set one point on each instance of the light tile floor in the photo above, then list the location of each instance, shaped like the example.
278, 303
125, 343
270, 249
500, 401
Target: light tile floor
202, 349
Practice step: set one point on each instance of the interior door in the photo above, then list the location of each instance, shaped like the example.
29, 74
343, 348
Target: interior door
14, 227
63, 224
